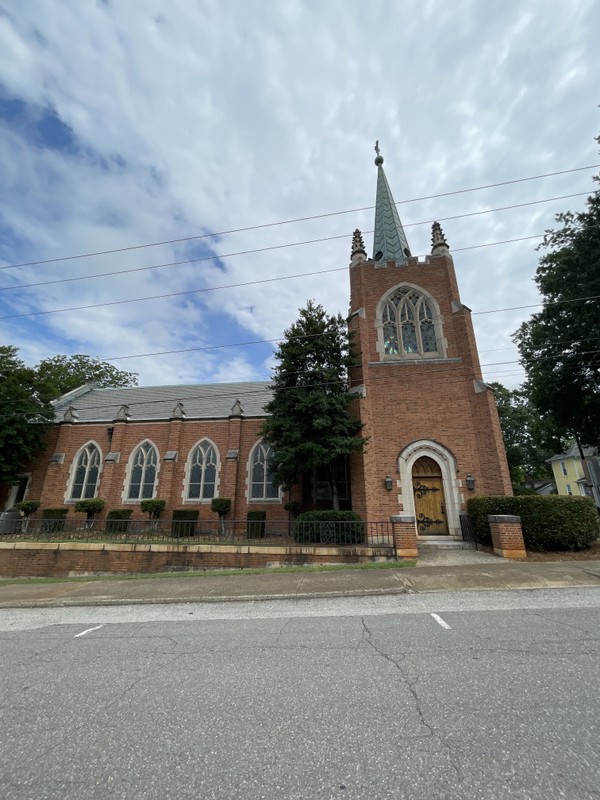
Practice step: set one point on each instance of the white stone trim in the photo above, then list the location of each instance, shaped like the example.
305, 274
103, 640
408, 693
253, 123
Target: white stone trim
451, 485
438, 322
124, 494
249, 499
186, 475
73, 469
13, 491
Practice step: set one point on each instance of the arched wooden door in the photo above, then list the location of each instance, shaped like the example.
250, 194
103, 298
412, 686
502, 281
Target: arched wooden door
428, 488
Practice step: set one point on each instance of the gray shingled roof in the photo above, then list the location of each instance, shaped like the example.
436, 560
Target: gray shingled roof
200, 401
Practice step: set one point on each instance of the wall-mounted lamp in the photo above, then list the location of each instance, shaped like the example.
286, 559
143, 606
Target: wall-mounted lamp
388, 482
470, 482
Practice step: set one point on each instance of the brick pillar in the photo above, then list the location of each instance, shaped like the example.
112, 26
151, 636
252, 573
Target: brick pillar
170, 477
405, 536
113, 472
507, 536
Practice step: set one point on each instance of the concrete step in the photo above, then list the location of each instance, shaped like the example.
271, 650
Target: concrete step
443, 543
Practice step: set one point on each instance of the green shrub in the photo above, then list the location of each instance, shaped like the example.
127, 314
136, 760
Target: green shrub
294, 507
153, 508
328, 527
53, 519
548, 522
255, 525
117, 520
184, 521
221, 505
90, 506
27, 507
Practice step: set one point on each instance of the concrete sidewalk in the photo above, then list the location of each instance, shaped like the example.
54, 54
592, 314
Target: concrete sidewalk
296, 585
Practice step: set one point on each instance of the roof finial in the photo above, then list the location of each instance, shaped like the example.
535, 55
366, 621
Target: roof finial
379, 157
358, 252
439, 245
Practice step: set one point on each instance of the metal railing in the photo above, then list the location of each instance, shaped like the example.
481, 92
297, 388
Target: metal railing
468, 530
254, 532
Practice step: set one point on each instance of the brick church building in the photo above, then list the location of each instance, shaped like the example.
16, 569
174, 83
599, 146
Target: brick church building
433, 433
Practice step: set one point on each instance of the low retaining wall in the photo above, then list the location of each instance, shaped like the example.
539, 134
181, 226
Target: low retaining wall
64, 559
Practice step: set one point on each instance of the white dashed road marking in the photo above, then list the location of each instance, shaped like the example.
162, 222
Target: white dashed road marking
88, 630
441, 622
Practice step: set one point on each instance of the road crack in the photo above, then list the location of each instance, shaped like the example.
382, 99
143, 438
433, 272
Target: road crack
411, 685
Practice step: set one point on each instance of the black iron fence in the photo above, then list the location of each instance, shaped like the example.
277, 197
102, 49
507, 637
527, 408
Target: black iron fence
468, 530
255, 532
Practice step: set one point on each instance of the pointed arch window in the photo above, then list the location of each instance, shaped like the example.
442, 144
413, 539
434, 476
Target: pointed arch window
143, 472
409, 327
87, 473
202, 471
261, 477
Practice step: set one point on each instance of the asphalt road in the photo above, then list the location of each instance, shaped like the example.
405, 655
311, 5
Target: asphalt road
462, 695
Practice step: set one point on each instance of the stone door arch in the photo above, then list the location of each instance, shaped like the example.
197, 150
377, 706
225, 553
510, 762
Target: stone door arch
445, 464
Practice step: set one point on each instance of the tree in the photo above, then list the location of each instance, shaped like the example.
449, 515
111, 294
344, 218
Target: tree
528, 440
62, 374
309, 423
560, 345
25, 415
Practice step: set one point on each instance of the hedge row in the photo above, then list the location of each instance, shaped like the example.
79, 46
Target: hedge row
549, 523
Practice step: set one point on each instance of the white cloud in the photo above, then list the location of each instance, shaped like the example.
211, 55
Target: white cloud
203, 117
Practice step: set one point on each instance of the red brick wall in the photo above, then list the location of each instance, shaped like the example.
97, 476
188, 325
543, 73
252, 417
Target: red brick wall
407, 402
63, 560
50, 480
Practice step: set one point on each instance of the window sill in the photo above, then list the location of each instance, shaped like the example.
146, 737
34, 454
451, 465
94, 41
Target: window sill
270, 500
393, 361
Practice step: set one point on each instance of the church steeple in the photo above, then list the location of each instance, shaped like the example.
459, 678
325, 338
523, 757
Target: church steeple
389, 241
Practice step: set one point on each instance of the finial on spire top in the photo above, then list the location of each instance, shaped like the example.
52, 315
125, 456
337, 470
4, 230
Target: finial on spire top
358, 253
439, 245
379, 157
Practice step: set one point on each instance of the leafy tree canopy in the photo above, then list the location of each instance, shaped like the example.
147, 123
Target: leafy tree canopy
25, 414
62, 374
309, 422
528, 439
560, 345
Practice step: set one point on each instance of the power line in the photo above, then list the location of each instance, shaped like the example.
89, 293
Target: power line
204, 348
266, 389
297, 219
273, 247
238, 285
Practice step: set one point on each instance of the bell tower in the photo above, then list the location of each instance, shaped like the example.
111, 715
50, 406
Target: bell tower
431, 421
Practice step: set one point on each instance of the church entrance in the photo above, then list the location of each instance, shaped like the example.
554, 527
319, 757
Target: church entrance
428, 488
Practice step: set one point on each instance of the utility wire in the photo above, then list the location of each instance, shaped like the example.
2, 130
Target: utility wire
297, 219
238, 285
129, 270
204, 348
266, 388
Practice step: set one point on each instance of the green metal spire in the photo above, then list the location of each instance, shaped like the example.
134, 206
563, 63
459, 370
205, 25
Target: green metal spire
389, 241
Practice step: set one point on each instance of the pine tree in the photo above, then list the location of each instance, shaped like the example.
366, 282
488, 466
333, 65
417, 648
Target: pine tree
310, 423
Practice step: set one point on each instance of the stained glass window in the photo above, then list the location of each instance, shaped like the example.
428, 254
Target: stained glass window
402, 311
87, 472
203, 472
143, 472
261, 478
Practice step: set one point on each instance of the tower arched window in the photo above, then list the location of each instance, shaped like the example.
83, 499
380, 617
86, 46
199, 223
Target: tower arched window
261, 477
142, 477
409, 324
87, 473
202, 471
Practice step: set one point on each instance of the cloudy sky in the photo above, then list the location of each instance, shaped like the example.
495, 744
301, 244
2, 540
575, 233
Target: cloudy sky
131, 122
